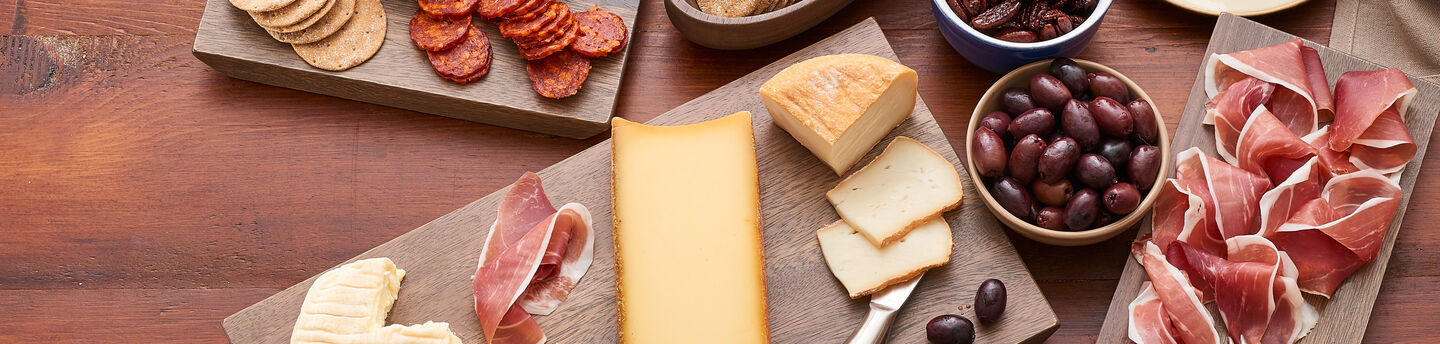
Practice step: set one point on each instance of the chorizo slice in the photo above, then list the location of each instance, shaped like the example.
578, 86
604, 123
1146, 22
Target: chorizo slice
599, 33
560, 75
435, 34
465, 60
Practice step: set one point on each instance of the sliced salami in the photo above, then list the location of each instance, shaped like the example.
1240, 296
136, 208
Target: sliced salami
491, 9
560, 75
529, 10
432, 34
599, 33
466, 60
552, 32
521, 28
536, 52
448, 8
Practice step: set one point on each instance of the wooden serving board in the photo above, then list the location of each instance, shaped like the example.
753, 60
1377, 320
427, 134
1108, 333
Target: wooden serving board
1344, 317
807, 304
400, 75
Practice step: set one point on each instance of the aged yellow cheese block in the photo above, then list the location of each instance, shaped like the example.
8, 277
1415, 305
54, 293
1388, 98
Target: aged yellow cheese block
348, 305
865, 268
840, 106
688, 254
904, 187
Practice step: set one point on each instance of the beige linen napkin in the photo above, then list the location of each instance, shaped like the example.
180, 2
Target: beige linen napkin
1403, 34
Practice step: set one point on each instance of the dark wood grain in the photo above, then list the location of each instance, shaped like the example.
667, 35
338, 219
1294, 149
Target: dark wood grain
439, 256
400, 75
1344, 317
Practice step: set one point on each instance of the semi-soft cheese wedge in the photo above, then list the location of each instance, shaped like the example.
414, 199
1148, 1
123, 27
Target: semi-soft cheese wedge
348, 305
906, 185
840, 106
688, 255
864, 268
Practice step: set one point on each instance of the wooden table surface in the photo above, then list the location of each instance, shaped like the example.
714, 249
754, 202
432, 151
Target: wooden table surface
144, 196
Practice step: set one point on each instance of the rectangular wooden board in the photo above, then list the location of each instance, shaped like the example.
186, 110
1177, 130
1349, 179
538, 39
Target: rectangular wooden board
400, 75
806, 303
1344, 317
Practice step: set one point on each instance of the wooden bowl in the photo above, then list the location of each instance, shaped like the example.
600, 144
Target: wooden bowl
990, 102
748, 32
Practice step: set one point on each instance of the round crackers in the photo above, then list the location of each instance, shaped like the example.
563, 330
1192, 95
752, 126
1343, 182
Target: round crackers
289, 15
330, 6
260, 5
328, 25
353, 44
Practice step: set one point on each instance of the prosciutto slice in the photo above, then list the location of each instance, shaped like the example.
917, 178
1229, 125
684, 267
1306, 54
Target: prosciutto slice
1190, 320
1240, 190
1364, 203
1289, 196
1282, 64
1182, 212
1149, 323
531, 260
1335, 163
1229, 110
1291, 318
1368, 108
1267, 148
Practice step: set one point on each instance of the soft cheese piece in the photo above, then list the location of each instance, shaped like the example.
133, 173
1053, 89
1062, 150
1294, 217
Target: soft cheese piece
348, 305
688, 254
840, 106
906, 185
864, 268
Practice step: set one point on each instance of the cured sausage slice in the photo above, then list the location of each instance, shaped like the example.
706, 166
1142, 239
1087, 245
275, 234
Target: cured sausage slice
432, 34
521, 28
491, 9
529, 9
550, 31
467, 61
448, 8
540, 51
560, 75
599, 33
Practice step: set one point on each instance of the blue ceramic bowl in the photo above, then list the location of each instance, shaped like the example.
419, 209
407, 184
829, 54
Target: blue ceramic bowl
1001, 56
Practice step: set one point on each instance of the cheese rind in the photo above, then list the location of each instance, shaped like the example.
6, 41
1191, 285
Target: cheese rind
348, 305
906, 185
864, 268
840, 106
688, 255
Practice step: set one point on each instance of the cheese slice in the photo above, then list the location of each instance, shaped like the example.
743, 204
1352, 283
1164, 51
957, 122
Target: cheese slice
688, 254
840, 106
348, 305
864, 268
906, 185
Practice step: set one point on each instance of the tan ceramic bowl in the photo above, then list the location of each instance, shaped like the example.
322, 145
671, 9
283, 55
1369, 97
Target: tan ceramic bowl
990, 102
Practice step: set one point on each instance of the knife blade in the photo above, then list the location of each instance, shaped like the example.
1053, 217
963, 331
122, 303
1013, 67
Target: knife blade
883, 306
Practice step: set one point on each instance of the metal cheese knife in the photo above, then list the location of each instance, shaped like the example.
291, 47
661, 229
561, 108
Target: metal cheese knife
883, 306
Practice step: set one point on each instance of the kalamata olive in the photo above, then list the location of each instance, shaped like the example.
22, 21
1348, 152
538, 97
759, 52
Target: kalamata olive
1048, 91
1055, 136
1052, 218
1121, 198
1075, 119
1069, 72
1055, 194
1014, 198
1082, 210
1144, 166
1147, 130
1107, 85
1095, 172
950, 329
1113, 118
1115, 150
990, 301
1038, 121
1016, 101
1024, 157
989, 152
1058, 159
999, 122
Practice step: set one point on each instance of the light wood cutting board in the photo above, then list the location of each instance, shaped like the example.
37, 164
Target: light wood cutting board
1344, 317
807, 304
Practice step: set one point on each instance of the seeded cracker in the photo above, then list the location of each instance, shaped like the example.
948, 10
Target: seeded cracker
330, 5
260, 5
356, 42
728, 8
332, 22
289, 15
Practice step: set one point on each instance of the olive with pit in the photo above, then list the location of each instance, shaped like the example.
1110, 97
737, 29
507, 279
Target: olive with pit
950, 329
1055, 194
1115, 150
990, 301
1077, 123
1147, 129
1038, 121
1082, 210
1048, 91
989, 152
1144, 166
1024, 157
1058, 159
997, 121
1113, 118
1095, 172
1014, 198
1016, 101
1121, 198
1052, 218
1108, 85
1070, 74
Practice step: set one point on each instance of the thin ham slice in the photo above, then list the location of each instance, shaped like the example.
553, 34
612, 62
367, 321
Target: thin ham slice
1229, 110
1291, 317
1267, 148
1183, 212
1289, 196
1236, 192
1149, 323
1369, 121
1244, 290
1190, 320
1282, 64
1334, 163
532, 258
1364, 203
1319, 85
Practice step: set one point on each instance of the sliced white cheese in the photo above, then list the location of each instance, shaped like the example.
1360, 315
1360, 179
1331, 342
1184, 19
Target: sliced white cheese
906, 185
864, 268
348, 305
840, 106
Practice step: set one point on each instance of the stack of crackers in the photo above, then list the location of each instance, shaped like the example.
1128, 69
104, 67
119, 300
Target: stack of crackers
328, 34
741, 8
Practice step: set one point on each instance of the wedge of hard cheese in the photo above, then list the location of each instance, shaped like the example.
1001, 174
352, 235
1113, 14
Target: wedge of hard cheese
864, 268
688, 255
348, 305
906, 185
840, 106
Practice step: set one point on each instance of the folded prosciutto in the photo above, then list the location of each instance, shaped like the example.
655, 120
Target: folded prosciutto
1368, 120
1288, 78
531, 260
